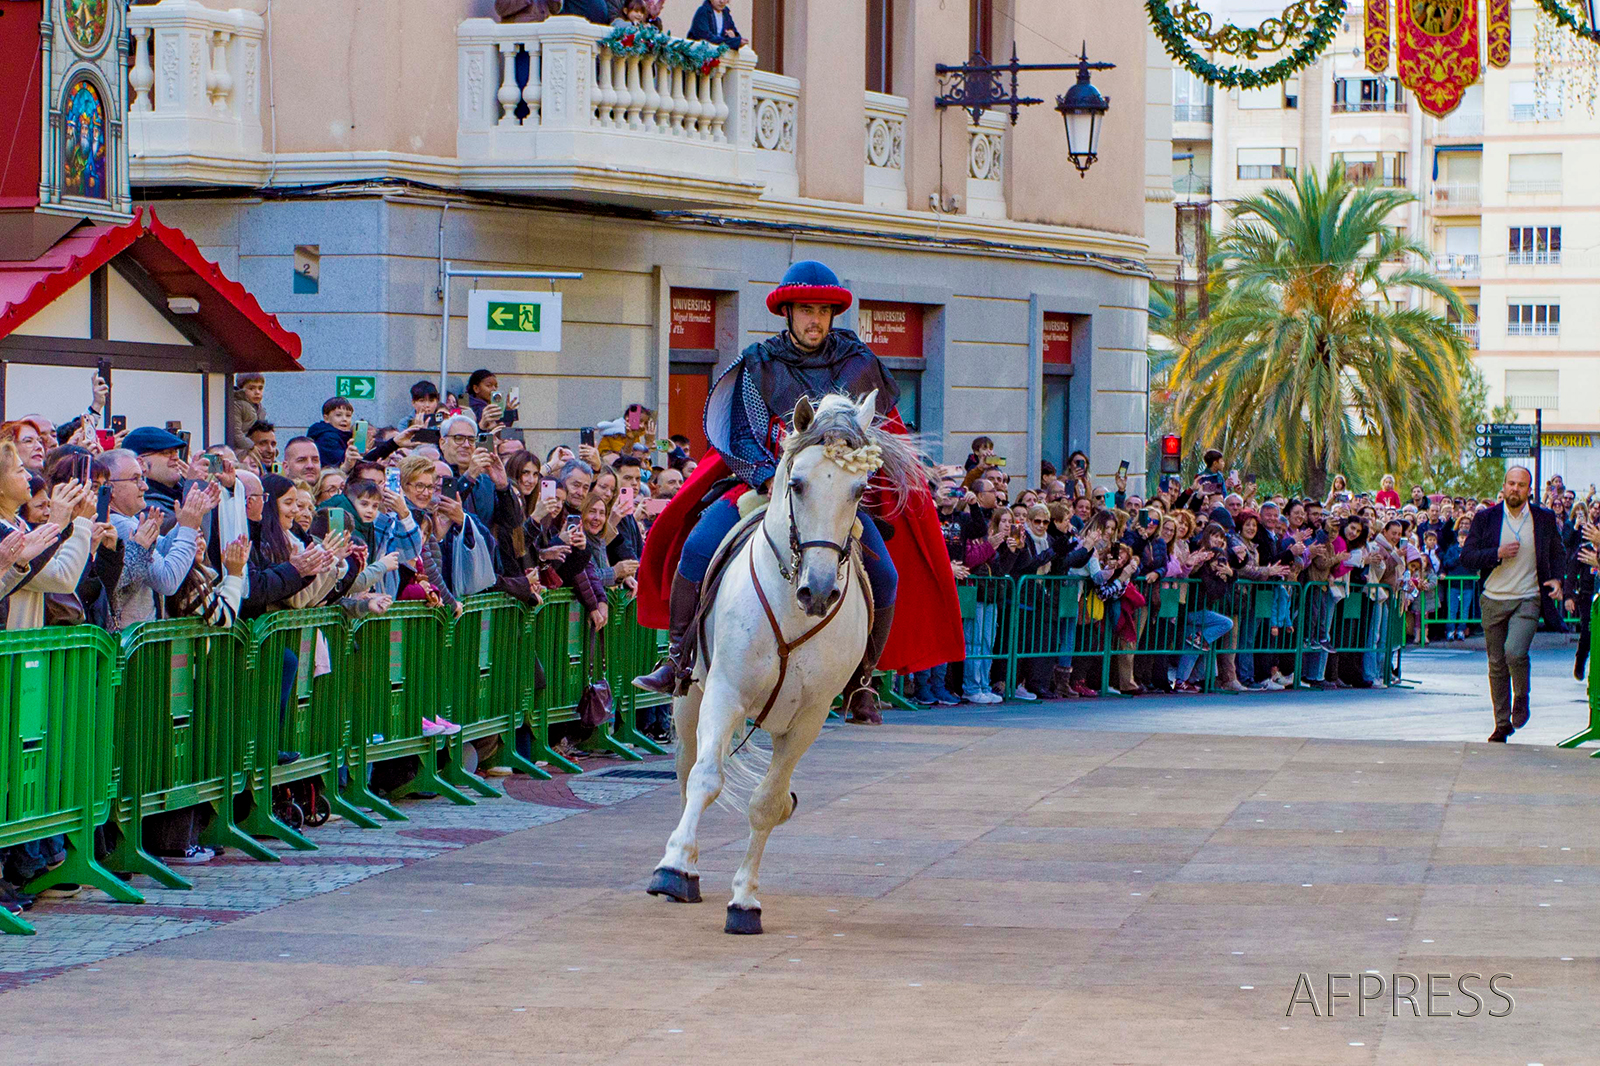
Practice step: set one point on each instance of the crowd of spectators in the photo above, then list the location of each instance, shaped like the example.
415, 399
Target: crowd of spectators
117, 528
712, 20
1197, 540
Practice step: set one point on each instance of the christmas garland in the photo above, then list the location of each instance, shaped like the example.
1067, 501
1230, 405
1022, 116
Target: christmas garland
1564, 16
701, 56
1317, 38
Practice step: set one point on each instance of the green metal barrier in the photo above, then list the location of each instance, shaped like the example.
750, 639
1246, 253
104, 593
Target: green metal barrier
57, 692
489, 691
175, 743
399, 677
316, 722
1593, 731
631, 650
555, 635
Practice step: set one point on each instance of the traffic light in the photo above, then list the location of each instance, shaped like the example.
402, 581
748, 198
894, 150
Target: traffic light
1172, 454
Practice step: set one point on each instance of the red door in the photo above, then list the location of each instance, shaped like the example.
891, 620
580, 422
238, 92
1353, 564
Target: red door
688, 388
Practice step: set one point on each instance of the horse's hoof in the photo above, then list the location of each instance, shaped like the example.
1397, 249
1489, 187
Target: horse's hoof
743, 921
675, 885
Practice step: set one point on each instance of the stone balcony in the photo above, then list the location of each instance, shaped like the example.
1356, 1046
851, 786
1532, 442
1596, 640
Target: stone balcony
546, 108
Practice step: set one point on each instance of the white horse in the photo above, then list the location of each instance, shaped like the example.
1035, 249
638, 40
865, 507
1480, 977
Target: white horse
787, 630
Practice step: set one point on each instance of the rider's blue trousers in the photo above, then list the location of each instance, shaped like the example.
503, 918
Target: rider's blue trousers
723, 515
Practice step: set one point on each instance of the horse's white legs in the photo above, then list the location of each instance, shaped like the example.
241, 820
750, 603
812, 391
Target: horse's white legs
719, 712
771, 804
685, 720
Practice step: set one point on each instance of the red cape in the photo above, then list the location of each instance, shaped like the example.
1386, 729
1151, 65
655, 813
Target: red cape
927, 618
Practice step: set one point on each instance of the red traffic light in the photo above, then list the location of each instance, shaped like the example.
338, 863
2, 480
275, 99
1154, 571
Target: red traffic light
1171, 454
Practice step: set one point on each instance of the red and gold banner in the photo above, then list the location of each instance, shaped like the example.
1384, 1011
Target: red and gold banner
1377, 36
1497, 30
1436, 51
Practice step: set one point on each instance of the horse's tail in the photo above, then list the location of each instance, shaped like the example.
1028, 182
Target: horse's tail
743, 767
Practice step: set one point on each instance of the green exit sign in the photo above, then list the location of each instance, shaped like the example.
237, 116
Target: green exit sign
356, 388
521, 318
511, 320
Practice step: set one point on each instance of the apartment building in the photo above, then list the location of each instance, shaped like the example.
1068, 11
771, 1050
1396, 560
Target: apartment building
1503, 202
335, 161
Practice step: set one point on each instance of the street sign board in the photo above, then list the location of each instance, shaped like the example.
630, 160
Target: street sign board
355, 387
510, 320
1504, 440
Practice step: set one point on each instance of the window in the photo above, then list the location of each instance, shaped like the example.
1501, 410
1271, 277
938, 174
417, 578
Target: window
1527, 107
1534, 245
1367, 94
1534, 173
766, 35
880, 46
980, 27
1268, 99
1527, 390
1261, 164
1380, 168
1191, 97
1533, 319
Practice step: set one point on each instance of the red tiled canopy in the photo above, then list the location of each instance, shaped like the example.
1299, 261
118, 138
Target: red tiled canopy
254, 338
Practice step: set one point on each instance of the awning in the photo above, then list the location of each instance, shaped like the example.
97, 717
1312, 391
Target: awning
1451, 148
254, 338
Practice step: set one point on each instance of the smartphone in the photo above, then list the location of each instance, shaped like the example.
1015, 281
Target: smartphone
516, 395
336, 519
996, 460
1122, 469
108, 439
625, 498
450, 489
1249, 479
1144, 516
498, 399
586, 436
486, 440
102, 503
547, 489
426, 436
573, 521
664, 445
119, 423
359, 436
633, 419
391, 479
652, 507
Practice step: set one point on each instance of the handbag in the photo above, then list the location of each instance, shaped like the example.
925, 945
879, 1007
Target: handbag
63, 609
595, 705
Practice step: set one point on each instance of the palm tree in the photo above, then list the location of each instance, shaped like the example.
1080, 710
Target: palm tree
1308, 348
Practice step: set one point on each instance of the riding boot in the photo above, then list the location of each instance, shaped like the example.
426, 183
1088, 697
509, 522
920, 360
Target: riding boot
860, 697
671, 677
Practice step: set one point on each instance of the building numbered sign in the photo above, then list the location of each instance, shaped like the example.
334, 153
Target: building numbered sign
514, 321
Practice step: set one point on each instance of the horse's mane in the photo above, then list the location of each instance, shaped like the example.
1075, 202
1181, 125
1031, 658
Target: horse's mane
904, 470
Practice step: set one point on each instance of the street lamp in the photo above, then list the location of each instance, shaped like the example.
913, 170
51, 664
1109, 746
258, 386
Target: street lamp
977, 86
1082, 109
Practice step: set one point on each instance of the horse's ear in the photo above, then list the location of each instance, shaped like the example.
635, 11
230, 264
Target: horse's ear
804, 414
867, 410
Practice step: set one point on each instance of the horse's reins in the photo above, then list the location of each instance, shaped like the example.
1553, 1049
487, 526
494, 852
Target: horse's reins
798, 546
788, 647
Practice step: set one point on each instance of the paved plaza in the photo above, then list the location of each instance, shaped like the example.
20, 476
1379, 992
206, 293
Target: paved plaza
1133, 881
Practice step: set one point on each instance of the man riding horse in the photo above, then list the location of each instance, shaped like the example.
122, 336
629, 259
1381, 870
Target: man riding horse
746, 419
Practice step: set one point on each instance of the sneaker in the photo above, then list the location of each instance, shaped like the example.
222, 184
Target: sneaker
1187, 686
1084, 690
1022, 693
945, 698
193, 855
497, 771
287, 757
1231, 686
1263, 686
430, 728
449, 727
988, 697
61, 891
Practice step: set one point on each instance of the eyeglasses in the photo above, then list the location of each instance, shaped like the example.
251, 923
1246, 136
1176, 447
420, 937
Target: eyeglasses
459, 437
140, 480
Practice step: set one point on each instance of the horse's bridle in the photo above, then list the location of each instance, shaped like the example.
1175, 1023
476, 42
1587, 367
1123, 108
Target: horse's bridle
791, 572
